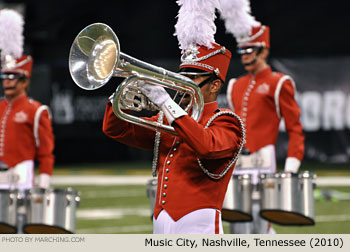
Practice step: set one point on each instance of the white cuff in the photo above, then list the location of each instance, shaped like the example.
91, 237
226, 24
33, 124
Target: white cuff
292, 164
44, 180
172, 110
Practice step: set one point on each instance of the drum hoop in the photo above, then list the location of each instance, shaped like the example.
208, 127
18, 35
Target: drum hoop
287, 175
52, 190
267, 175
242, 176
9, 190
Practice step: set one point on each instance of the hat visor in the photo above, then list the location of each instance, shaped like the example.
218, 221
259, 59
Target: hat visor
193, 71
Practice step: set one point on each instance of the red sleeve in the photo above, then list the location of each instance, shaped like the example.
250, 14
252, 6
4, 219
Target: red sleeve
127, 133
45, 144
220, 140
291, 113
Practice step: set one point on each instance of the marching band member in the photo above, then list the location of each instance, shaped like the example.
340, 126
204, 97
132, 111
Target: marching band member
261, 98
26, 132
195, 166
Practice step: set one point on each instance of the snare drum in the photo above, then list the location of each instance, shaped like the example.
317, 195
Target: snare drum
152, 193
237, 206
8, 211
287, 198
50, 211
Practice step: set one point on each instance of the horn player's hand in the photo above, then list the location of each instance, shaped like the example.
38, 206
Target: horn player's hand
155, 93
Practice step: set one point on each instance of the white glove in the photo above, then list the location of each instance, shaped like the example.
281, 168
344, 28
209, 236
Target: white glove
155, 93
162, 99
44, 180
292, 164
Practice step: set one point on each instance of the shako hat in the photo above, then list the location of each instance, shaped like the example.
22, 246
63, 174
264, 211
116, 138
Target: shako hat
195, 29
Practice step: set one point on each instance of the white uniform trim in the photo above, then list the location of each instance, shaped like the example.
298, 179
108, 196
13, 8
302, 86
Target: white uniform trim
200, 221
172, 110
36, 122
278, 91
229, 93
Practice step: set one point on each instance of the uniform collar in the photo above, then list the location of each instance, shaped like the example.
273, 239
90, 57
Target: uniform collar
261, 74
208, 111
211, 106
17, 100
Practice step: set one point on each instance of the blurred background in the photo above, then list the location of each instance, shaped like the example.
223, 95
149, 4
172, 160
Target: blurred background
308, 42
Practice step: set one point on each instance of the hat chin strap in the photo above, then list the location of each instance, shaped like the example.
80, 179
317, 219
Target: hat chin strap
251, 62
13, 87
255, 58
206, 81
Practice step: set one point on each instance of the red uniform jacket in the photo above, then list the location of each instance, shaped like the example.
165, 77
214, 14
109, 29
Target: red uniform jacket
261, 101
182, 185
26, 133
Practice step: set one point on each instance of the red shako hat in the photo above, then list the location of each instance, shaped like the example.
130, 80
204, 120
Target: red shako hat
23, 65
195, 29
260, 36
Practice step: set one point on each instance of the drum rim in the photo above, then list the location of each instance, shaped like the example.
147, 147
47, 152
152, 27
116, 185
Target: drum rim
242, 176
52, 190
312, 222
9, 190
307, 174
267, 175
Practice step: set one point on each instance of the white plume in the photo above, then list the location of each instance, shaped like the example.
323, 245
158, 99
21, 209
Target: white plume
237, 17
195, 24
11, 33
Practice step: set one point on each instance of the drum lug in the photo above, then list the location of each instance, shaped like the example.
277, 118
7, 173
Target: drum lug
77, 200
11, 197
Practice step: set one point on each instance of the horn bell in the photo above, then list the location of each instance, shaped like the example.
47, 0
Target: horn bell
93, 56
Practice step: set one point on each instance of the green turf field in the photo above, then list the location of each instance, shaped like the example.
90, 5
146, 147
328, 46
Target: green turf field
125, 209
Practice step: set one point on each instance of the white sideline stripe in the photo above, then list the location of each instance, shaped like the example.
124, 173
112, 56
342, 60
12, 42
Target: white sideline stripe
333, 181
113, 194
112, 213
100, 180
116, 229
143, 180
332, 218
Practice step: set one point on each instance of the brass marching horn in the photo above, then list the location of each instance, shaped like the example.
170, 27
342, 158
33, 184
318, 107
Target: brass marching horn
95, 57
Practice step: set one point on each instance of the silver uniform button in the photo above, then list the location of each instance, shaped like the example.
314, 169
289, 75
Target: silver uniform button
165, 186
166, 178
171, 155
174, 149
177, 142
166, 170
164, 194
168, 162
163, 202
